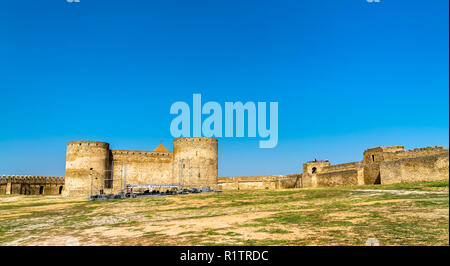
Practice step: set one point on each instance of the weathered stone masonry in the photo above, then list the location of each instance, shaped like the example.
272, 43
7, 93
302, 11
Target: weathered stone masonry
31, 185
194, 162
380, 165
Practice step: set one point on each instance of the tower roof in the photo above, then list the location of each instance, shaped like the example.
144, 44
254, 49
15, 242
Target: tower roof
161, 148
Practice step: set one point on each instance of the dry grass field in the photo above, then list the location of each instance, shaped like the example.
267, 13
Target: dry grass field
401, 214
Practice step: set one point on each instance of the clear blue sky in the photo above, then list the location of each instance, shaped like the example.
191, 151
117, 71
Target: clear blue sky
348, 75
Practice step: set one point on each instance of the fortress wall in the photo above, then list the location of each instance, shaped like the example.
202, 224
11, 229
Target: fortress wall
375, 157
385, 149
341, 167
398, 152
378, 154
310, 171
308, 180
413, 153
340, 178
4, 185
16, 188
323, 174
425, 168
259, 182
143, 167
31, 185
243, 182
372, 159
246, 182
288, 181
194, 161
227, 185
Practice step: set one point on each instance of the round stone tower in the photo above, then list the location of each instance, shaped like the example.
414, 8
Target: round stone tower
82, 159
195, 161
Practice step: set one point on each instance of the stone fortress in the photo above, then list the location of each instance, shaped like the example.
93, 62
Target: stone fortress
194, 163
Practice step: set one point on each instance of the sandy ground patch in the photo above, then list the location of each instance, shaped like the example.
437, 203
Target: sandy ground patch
199, 224
381, 201
51, 207
337, 216
4, 216
435, 214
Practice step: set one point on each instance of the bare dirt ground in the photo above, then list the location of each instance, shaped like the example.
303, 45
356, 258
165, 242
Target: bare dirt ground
402, 214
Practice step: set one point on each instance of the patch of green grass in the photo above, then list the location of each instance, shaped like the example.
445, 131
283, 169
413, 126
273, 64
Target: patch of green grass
232, 234
275, 231
152, 234
7, 228
443, 183
125, 224
427, 203
325, 216
419, 185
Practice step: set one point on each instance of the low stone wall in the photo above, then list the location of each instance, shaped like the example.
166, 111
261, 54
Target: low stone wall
259, 182
31, 185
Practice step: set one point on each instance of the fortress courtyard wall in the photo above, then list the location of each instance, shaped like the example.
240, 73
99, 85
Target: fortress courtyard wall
414, 153
346, 174
424, 168
143, 167
380, 165
351, 177
324, 174
31, 185
260, 182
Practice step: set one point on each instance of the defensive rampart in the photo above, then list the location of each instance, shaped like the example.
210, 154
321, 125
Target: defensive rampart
31, 185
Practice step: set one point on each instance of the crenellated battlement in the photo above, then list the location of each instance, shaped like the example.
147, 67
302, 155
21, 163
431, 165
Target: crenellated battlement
31, 185
141, 153
193, 160
196, 139
193, 163
31, 179
428, 149
342, 167
88, 143
384, 154
386, 149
